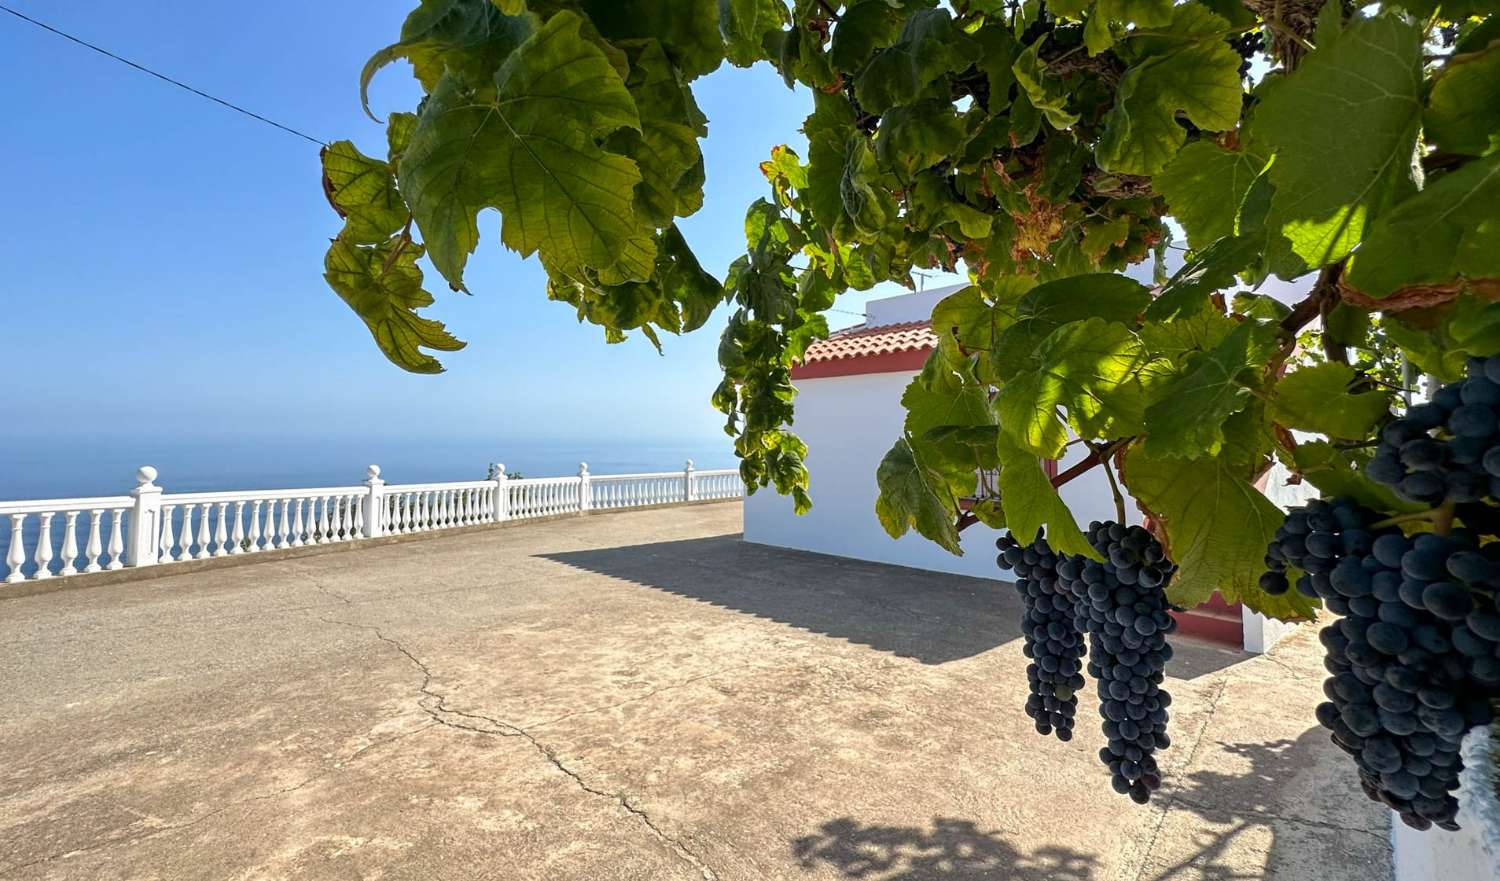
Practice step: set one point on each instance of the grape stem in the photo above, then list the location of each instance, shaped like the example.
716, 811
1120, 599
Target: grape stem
1442, 521
1114, 486
1441, 518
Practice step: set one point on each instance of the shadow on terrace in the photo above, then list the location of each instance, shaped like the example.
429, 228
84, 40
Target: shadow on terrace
952, 850
930, 617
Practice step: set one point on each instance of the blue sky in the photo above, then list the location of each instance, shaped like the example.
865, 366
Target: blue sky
165, 254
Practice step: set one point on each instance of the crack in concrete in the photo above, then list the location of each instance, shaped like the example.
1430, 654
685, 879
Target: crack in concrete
1257, 813
203, 818
682, 683
434, 704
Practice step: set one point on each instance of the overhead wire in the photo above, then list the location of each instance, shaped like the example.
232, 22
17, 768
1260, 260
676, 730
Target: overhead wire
161, 76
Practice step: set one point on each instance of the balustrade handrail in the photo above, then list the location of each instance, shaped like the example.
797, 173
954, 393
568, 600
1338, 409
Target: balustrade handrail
437, 487
258, 495
57, 506
63, 537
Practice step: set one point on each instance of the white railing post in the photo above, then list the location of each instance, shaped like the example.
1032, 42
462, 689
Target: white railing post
374, 503
689, 483
585, 488
502, 494
145, 520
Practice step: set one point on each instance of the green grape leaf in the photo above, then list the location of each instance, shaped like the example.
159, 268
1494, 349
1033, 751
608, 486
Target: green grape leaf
363, 191
528, 149
1319, 399
1086, 369
1204, 187
828, 138
1052, 304
998, 51
1217, 527
1187, 419
1097, 34
398, 129
1214, 269
1337, 473
917, 136
1463, 109
1330, 183
865, 27
866, 202
1180, 338
967, 404
468, 39
1448, 231
744, 25
930, 46
383, 285
1047, 93
1101, 237
1031, 503
510, 7
1194, 72
666, 146
688, 29
913, 495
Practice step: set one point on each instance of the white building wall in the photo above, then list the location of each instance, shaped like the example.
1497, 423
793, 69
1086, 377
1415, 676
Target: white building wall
849, 424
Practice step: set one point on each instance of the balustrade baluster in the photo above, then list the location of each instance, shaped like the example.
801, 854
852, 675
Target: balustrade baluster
185, 538
70, 544
94, 547
237, 534
116, 540
43, 555
164, 544
323, 520
221, 529
277, 520
16, 555
254, 535
357, 517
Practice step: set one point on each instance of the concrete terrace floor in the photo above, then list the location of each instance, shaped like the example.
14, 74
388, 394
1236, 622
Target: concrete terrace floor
625, 696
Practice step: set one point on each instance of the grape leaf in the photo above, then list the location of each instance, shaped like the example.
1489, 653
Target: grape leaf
1204, 186
1193, 72
1088, 370
1179, 338
828, 138
1187, 292
1446, 232
1463, 109
1318, 399
1052, 304
865, 27
1329, 185
383, 285
1188, 417
967, 404
1031, 502
666, 146
913, 495
917, 136
468, 39
688, 29
744, 24
363, 191
1334, 473
929, 47
1047, 93
1217, 527
528, 149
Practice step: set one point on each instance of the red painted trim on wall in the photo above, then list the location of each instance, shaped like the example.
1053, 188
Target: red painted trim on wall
885, 362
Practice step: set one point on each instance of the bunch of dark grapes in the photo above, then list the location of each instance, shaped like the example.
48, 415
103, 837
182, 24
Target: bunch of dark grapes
1247, 45
1449, 447
1415, 659
1121, 604
1052, 642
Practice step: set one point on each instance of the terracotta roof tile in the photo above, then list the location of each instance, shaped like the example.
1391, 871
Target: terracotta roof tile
861, 341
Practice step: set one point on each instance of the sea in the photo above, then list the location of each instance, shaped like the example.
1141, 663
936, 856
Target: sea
52, 468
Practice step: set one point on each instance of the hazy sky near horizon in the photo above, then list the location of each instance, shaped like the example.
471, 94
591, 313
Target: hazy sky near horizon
165, 254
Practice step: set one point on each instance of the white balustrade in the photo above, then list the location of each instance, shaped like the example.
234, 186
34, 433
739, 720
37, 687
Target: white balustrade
42, 539
35, 551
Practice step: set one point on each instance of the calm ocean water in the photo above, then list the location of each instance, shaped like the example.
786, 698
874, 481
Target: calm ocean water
41, 469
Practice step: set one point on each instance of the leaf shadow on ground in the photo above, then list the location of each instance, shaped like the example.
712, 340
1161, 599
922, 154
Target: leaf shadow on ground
931, 617
1277, 797
951, 850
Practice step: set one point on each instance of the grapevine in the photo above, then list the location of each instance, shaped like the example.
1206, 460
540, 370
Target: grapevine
1040, 149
